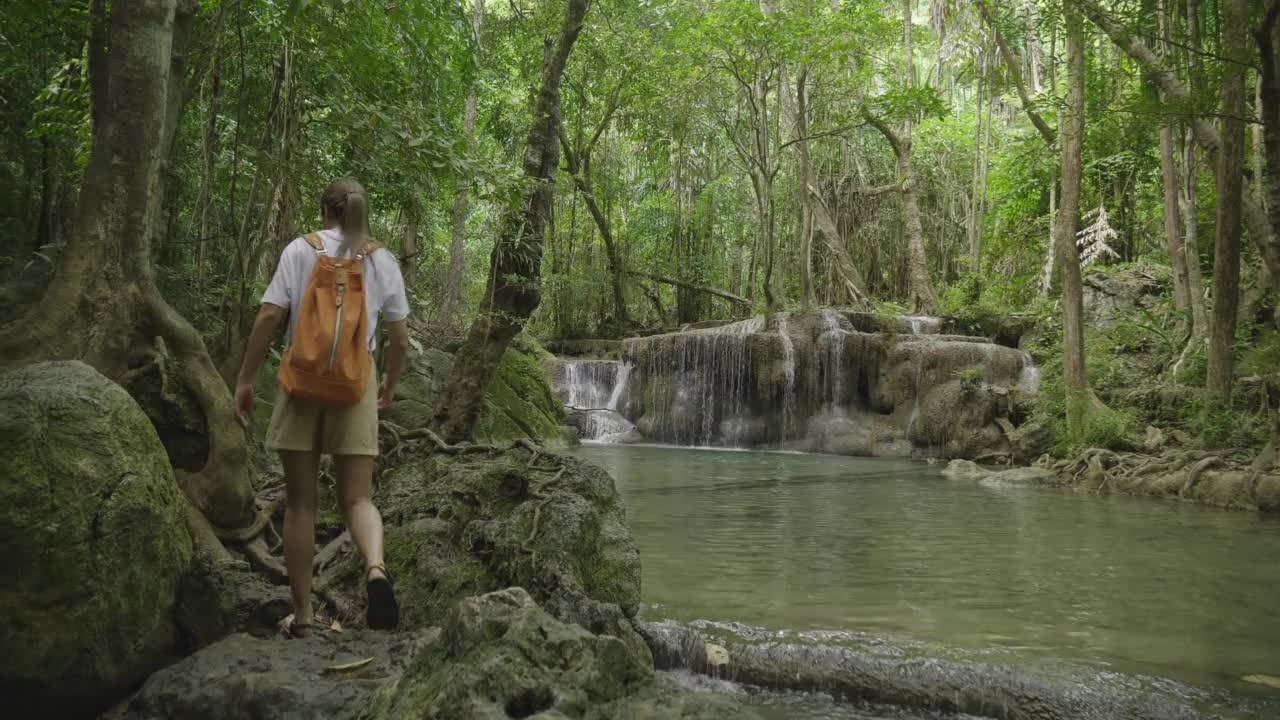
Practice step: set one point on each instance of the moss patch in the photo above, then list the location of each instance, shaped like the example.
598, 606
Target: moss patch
93, 532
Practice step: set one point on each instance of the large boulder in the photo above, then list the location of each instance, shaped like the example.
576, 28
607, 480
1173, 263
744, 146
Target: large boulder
94, 538
498, 656
458, 525
519, 402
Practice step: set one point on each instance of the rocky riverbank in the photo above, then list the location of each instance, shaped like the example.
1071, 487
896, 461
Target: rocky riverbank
517, 573
1176, 474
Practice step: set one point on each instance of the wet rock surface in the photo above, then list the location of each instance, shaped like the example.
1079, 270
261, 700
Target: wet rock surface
94, 535
884, 676
496, 655
462, 525
823, 381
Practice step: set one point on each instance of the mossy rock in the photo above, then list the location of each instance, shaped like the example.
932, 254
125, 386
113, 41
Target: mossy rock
519, 402
461, 525
93, 532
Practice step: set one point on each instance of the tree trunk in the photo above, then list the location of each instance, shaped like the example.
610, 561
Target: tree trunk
1230, 187
1172, 225
975, 240
841, 264
806, 203
1269, 109
451, 306
578, 162
922, 298
513, 290
1071, 135
1169, 177
103, 306
409, 241
735, 299
209, 177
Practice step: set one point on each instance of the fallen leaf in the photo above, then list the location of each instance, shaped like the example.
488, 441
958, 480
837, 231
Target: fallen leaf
348, 667
1268, 680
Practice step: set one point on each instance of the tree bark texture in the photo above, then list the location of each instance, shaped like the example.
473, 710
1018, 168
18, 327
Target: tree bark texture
103, 306
922, 298
1169, 178
1230, 191
513, 290
1071, 135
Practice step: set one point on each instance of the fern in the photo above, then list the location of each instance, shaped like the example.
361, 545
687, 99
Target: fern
1092, 241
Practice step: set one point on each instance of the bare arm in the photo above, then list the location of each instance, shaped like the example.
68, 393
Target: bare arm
397, 349
265, 327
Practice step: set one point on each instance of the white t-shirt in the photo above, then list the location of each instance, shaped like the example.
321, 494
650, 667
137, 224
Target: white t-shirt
383, 283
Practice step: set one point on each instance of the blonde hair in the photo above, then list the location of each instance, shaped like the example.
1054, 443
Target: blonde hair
346, 201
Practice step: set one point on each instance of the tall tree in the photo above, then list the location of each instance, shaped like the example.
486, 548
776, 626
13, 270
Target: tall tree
103, 305
1071, 137
1230, 187
922, 297
513, 290
1169, 180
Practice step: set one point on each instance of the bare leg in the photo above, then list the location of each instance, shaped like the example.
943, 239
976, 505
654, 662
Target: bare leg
355, 492
301, 473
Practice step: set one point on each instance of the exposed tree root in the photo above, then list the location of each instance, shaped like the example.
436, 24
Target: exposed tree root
329, 552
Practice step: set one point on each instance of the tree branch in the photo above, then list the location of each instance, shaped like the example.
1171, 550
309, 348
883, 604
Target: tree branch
736, 299
1015, 74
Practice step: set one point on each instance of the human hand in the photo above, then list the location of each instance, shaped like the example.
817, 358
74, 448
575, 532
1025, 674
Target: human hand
244, 404
386, 394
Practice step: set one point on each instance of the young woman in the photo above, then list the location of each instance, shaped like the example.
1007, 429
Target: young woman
301, 429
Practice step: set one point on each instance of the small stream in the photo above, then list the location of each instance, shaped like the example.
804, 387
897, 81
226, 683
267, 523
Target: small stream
888, 552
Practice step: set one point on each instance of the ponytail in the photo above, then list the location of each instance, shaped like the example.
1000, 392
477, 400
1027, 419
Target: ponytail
346, 201
355, 224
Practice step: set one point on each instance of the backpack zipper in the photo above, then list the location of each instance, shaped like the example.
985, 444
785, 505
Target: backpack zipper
337, 327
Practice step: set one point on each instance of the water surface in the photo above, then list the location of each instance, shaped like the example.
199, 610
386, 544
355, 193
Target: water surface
890, 548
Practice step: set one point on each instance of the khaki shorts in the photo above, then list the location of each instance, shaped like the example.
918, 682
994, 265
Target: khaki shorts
304, 426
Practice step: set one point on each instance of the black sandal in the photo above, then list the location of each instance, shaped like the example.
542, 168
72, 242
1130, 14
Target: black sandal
384, 611
300, 630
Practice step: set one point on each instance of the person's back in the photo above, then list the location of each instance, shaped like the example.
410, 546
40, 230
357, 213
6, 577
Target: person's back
331, 285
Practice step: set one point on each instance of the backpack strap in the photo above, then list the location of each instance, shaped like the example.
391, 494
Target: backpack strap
369, 248
313, 239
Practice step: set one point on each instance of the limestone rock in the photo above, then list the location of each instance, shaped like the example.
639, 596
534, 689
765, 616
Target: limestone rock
502, 656
1154, 440
461, 525
247, 677
498, 656
519, 401
1027, 476
965, 470
93, 532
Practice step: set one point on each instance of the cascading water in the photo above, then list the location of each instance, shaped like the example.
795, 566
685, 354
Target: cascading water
825, 381
592, 391
789, 362
1029, 379
834, 338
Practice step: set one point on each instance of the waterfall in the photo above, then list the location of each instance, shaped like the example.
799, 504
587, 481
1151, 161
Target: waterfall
789, 361
834, 338
619, 385
1029, 379
922, 324
592, 391
820, 380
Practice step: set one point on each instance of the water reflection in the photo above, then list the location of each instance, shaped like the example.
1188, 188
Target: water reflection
807, 542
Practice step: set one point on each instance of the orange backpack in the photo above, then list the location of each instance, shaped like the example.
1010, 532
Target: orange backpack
327, 360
